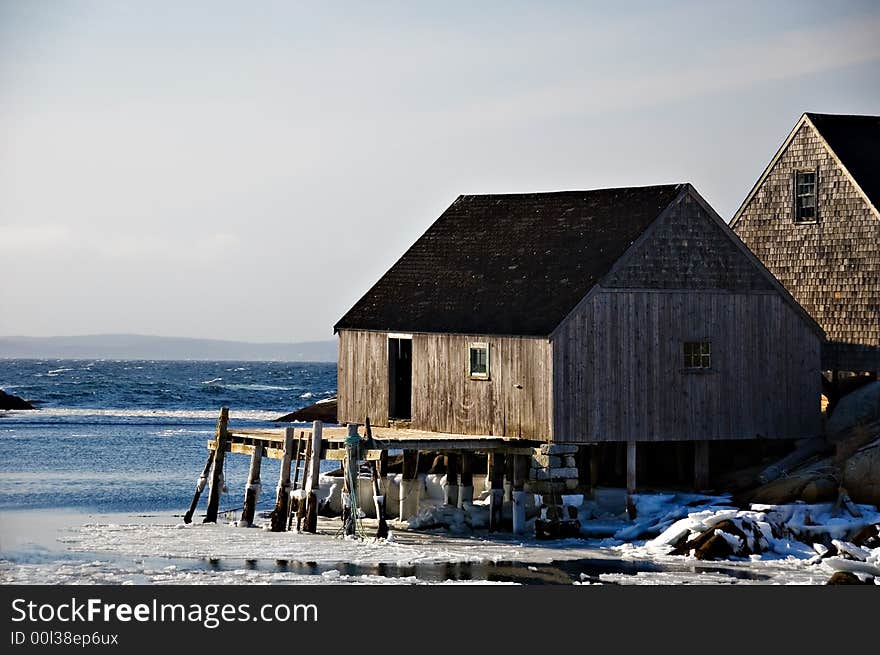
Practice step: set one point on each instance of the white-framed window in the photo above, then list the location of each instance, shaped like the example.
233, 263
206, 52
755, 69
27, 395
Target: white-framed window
805, 197
478, 360
697, 354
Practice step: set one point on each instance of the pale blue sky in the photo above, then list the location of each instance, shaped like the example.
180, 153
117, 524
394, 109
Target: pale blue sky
248, 170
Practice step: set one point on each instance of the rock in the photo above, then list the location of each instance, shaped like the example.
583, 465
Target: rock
781, 491
8, 401
545, 487
710, 545
859, 407
861, 474
558, 449
820, 490
869, 537
545, 529
555, 473
846, 578
324, 410
545, 461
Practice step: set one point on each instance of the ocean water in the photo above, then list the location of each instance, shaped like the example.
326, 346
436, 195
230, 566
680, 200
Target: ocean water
131, 435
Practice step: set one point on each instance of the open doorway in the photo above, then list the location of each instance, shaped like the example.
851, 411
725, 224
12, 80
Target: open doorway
399, 378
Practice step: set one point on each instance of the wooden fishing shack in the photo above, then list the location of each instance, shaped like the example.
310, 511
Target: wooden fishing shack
564, 340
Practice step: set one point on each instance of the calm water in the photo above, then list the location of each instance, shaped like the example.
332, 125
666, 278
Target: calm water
131, 435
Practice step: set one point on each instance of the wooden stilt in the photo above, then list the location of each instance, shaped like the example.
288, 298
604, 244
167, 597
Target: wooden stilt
701, 465
293, 505
451, 492
201, 483
378, 492
496, 491
282, 502
466, 481
595, 467
349, 482
252, 489
409, 485
220, 439
630, 478
314, 471
520, 474
507, 484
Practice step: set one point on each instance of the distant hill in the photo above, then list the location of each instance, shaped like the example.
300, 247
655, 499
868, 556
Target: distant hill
137, 346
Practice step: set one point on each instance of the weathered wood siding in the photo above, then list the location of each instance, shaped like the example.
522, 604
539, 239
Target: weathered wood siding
362, 377
832, 267
619, 368
445, 398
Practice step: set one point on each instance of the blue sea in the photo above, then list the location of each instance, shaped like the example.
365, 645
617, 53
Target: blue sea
130, 436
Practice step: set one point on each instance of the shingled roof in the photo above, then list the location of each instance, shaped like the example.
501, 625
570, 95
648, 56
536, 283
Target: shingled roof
513, 264
856, 142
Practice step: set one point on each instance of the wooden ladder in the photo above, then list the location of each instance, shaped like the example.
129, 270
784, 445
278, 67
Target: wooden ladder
301, 463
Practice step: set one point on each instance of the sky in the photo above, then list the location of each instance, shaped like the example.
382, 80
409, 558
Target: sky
248, 170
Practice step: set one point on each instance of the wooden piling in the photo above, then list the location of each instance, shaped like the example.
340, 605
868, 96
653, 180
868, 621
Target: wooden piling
349, 482
409, 485
466, 481
378, 493
282, 502
451, 492
220, 439
701, 465
595, 462
496, 490
520, 474
303, 500
630, 478
310, 520
252, 488
201, 483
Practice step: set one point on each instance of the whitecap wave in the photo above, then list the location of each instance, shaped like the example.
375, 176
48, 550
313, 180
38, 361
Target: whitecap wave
212, 381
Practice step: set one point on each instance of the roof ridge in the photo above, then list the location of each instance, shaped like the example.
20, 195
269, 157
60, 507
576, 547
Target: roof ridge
673, 185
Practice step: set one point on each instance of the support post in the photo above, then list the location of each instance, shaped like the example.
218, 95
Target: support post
630, 478
252, 488
201, 483
220, 439
314, 472
466, 481
595, 462
409, 485
496, 490
282, 501
701, 465
520, 474
507, 485
451, 492
378, 493
350, 481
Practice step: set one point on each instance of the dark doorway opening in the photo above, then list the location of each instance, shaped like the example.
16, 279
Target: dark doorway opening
400, 379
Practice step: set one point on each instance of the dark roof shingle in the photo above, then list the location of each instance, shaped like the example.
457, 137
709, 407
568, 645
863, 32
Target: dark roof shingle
512, 264
856, 142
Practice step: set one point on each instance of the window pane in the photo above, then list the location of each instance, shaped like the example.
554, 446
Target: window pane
479, 360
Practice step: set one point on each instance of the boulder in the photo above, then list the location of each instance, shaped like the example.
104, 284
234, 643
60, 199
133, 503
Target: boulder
324, 410
859, 407
8, 401
797, 486
846, 578
861, 474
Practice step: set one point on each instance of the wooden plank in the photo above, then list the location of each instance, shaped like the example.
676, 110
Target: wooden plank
310, 522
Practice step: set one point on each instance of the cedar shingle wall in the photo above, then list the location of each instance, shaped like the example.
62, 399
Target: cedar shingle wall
686, 250
832, 267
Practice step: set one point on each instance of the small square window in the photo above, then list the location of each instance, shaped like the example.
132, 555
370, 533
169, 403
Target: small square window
478, 360
805, 197
697, 354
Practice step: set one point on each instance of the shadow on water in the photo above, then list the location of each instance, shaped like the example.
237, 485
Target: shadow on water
561, 572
